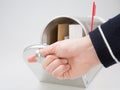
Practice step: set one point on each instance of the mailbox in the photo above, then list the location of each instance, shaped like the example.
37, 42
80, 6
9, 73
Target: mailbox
49, 36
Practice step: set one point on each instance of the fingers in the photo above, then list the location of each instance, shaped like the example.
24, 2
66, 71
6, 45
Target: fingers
60, 70
49, 50
48, 60
55, 66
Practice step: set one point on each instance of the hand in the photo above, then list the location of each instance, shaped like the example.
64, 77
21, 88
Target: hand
69, 59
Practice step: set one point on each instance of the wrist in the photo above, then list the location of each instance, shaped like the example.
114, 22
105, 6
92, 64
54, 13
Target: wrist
93, 55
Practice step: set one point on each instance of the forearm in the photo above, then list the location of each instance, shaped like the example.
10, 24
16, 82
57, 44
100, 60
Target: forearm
111, 31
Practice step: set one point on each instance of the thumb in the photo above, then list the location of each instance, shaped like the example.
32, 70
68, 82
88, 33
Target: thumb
48, 50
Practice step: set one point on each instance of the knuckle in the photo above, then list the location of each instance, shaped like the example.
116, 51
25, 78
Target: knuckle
48, 60
60, 62
58, 73
62, 67
57, 62
49, 57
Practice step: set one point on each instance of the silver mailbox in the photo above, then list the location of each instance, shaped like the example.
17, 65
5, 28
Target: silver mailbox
49, 36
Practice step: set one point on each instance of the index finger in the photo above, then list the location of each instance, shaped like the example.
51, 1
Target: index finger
48, 60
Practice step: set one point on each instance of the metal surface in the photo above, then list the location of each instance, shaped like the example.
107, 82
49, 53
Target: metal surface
50, 36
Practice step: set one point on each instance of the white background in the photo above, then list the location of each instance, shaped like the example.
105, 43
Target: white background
22, 23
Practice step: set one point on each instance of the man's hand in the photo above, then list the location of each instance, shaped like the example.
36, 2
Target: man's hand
69, 59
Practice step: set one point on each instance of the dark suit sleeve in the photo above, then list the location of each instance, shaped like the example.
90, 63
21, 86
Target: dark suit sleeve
111, 30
